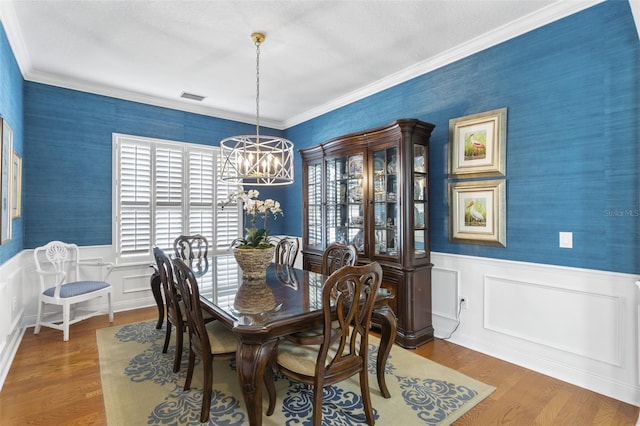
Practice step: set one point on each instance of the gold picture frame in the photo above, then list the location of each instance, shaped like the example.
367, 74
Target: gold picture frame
477, 144
16, 186
6, 159
478, 212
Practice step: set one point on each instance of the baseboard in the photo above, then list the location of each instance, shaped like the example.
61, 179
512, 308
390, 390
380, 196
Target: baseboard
8, 353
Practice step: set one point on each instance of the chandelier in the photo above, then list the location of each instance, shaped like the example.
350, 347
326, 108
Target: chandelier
257, 159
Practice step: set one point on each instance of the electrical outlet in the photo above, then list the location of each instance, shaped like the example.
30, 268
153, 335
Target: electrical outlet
464, 302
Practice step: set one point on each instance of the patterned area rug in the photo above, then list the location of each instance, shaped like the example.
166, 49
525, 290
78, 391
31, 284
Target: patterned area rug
140, 388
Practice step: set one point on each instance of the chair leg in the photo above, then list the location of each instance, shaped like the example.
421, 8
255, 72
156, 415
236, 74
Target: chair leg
177, 359
207, 388
167, 337
36, 330
192, 361
366, 396
317, 404
65, 321
110, 307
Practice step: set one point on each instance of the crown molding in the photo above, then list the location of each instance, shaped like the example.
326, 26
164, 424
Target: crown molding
16, 41
635, 11
540, 18
131, 95
499, 35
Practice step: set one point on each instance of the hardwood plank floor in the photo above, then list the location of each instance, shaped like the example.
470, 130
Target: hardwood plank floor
52, 382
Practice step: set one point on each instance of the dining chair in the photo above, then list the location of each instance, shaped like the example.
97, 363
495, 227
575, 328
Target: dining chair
343, 351
174, 306
175, 315
208, 341
193, 249
58, 266
287, 251
334, 257
337, 255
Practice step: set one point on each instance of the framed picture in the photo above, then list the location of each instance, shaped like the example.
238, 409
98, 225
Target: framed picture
477, 144
6, 158
16, 186
478, 212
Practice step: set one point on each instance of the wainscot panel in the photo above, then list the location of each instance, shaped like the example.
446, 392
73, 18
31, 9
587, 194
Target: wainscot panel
577, 325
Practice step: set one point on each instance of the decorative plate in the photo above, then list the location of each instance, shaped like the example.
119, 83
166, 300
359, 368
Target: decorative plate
358, 240
391, 167
355, 166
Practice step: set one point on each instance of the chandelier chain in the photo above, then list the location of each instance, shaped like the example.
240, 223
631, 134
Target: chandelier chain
258, 89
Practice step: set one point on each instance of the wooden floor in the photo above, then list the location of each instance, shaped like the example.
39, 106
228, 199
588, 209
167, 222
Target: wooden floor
52, 382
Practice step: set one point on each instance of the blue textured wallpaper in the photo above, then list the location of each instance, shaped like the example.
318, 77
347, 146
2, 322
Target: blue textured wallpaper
68, 157
11, 107
572, 92
573, 152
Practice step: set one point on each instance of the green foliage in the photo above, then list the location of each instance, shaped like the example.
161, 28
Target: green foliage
253, 238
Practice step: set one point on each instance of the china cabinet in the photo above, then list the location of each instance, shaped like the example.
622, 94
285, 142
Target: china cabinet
370, 189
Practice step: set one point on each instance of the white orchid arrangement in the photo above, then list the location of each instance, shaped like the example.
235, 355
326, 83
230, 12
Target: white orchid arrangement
253, 208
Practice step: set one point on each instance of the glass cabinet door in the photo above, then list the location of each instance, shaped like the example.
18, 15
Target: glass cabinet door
314, 203
420, 201
385, 202
345, 200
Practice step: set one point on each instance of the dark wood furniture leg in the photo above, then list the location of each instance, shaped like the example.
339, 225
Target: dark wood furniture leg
252, 358
157, 295
387, 319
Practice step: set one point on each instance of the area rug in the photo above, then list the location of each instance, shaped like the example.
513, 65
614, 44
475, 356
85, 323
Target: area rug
140, 388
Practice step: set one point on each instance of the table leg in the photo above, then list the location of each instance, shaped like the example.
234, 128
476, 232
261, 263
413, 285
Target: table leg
387, 320
157, 295
251, 361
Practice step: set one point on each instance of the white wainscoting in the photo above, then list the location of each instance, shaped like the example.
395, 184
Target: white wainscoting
577, 325
12, 302
19, 287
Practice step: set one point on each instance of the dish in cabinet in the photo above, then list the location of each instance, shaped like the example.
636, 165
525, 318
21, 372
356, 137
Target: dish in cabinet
358, 240
355, 166
391, 167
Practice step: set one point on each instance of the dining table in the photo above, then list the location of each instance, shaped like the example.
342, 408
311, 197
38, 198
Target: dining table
287, 301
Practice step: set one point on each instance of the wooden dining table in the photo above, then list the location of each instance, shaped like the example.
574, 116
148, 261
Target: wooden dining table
289, 302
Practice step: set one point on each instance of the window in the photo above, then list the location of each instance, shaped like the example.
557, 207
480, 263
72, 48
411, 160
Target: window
164, 189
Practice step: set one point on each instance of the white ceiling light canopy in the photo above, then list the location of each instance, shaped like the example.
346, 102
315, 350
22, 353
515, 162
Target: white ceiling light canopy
257, 159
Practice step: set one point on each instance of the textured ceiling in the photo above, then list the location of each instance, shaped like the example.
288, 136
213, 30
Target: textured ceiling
318, 55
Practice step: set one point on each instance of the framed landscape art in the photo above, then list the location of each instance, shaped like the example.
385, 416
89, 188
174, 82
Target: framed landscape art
16, 186
478, 212
477, 144
6, 159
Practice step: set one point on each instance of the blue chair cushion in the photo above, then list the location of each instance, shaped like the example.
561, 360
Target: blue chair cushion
77, 288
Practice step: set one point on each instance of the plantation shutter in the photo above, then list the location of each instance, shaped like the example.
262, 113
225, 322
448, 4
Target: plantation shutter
229, 219
165, 189
134, 198
169, 183
201, 167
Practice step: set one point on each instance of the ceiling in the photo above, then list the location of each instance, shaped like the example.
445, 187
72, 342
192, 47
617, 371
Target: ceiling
317, 56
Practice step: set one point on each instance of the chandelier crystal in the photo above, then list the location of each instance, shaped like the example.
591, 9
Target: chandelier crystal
257, 159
